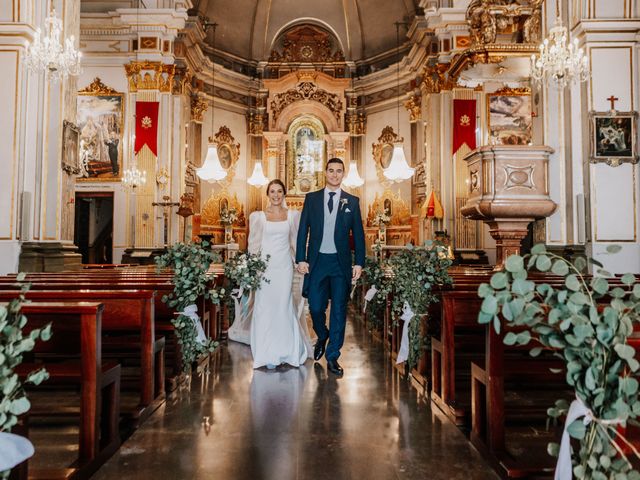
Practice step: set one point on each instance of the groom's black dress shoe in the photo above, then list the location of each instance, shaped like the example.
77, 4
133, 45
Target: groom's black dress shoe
335, 368
318, 349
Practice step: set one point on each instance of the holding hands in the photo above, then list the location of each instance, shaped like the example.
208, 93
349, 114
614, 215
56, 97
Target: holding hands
302, 268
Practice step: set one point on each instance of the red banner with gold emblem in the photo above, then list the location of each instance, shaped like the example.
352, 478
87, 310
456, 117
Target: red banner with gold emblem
464, 124
147, 126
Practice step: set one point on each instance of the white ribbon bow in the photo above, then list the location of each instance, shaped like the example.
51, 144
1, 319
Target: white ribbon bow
14, 449
191, 311
577, 409
236, 294
369, 296
407, 316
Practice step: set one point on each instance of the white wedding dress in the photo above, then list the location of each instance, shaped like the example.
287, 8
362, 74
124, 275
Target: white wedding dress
274, 321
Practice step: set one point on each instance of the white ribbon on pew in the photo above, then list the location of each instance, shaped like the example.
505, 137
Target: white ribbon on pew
577, 409
14, 450
369, 296
191, 311
407, 316
236, 294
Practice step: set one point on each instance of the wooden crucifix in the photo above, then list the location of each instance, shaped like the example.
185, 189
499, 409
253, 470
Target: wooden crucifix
613, 100
166, 209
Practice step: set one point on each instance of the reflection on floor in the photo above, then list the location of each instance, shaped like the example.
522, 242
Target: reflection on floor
237, 423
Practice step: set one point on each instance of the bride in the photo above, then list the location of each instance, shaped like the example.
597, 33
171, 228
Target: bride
274, 325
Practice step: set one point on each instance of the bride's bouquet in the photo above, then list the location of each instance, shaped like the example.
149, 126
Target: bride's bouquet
245, 271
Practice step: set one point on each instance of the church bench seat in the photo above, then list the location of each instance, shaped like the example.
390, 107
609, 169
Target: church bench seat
73, 356
127, 326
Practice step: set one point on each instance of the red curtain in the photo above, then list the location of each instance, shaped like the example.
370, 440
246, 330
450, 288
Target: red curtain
147, 126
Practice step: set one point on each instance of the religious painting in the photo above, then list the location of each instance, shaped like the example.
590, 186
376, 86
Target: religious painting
305, 156
387, 153
70, 152
509, 117
100, 116
228, 153
614, 137
382, 152
224, 155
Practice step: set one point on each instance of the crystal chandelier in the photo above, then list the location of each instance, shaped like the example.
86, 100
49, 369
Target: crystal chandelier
560, 59
134, 178
353, 178
211, 170
257, 178
398, 170
48, 54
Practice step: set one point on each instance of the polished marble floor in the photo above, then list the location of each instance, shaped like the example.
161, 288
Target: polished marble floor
304, 424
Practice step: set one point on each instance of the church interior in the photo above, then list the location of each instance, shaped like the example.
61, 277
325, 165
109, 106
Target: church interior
493, 145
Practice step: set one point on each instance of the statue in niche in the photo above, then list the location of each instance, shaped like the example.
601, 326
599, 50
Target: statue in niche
305, 160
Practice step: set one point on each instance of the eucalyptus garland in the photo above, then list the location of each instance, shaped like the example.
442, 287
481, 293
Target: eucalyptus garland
586, 322
416, 271
190, 263
246, 270
374, 274
13, 399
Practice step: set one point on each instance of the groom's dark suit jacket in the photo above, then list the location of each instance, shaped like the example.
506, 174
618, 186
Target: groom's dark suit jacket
348, 220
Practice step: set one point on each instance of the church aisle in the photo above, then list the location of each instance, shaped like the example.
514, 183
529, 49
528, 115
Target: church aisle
301, 424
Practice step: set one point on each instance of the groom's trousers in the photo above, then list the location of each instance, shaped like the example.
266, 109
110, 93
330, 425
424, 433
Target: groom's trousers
328, 281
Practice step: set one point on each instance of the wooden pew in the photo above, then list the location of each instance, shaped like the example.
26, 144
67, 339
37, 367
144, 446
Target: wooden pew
77, 326
127, 324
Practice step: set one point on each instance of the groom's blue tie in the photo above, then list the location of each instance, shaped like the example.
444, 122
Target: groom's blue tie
330, 203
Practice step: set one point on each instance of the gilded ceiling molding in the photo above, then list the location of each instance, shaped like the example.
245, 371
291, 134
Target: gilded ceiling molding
357, 123
98, 88
306, 90
497, 21
182, 81
147, 75
435, 78
306, 43
495, 53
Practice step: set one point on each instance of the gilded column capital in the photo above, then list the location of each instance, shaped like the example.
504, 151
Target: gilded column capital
198, 107
147, 75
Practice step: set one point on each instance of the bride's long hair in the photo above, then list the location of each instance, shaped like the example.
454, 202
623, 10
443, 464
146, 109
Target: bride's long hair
277, 181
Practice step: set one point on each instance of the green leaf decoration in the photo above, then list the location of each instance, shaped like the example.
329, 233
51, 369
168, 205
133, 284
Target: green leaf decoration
628, 279
613, 248
543, 263
624, 351
484, 290
514, 263
499, 280
490, 305
572, 283
580, 264
538, 249
560, 267
577, 429
600, 285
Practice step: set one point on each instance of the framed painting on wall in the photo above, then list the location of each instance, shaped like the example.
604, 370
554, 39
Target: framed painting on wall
509, 117
100, 117
614, 137
70, 151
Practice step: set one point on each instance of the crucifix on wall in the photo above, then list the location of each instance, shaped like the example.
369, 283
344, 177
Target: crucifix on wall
166, 210
613, 100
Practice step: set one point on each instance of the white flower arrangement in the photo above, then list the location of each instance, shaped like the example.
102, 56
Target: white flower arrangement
381, 219
228, 216
246, 270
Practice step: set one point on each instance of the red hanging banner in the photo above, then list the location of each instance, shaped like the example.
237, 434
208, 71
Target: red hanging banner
464, 124
147, 126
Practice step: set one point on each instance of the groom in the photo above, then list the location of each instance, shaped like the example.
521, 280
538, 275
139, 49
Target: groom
328, 217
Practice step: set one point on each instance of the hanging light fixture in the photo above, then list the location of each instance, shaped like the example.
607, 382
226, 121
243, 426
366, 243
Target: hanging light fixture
353, 178
211, 170
133, 177
559, 59
257, 178
49, 55
398, 170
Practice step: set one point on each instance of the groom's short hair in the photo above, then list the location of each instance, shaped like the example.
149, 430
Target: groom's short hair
334, 160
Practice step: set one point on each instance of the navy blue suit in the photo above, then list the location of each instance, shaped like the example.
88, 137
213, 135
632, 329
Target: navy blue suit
329, 274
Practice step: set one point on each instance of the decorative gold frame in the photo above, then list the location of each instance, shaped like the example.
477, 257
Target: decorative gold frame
210, 215
384, 144
316, 180
400, 211
508, 92
632, 136
226, 142
99, 89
